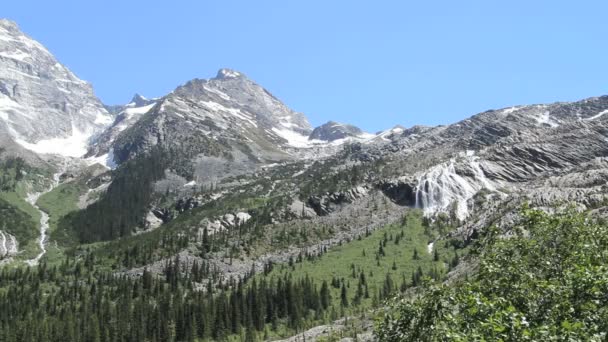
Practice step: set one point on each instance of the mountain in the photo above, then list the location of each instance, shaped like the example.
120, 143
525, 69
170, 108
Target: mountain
228, 120
125, 116
43, 105
331, 131
219, 188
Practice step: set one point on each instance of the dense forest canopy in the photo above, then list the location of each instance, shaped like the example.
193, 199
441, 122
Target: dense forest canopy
545, 280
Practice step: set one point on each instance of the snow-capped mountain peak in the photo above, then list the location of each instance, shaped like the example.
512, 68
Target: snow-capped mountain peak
43, 106
228, 73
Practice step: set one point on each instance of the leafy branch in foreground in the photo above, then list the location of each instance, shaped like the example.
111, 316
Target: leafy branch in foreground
546, 280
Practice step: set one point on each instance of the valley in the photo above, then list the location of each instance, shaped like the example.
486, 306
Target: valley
216, 212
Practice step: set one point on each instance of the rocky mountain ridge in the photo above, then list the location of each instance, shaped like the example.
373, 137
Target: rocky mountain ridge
228, 134
44, 107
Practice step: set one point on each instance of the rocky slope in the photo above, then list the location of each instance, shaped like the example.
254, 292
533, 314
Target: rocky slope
331, 131
219, 127
43, 105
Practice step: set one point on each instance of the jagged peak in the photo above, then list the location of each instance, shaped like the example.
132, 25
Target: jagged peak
226, 73
9, 24
137, 96
140, 101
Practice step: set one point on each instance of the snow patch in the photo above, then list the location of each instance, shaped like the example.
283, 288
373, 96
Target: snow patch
366, 136
509, 110
73, 146
227, 73
190, 184
214, 106
139, 110
16, 55
384, 135
107, 160
293, 138
217, 92
596, 116
545, 118
103, 119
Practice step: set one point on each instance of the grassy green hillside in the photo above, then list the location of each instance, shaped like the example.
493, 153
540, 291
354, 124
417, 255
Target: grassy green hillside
18, 218
396, 251
361, 274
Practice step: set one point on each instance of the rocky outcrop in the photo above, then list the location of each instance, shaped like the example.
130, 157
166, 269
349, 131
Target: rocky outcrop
299, 209
184, 204
399, 191
325, 204
227, 221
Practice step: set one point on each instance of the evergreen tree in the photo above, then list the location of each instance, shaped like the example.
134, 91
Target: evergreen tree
343, 297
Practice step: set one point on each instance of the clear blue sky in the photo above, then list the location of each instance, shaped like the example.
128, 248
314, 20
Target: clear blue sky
371, 63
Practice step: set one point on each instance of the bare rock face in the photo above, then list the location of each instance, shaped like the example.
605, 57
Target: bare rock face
400, 191
43, 105
332, 131
324, 205
227, 221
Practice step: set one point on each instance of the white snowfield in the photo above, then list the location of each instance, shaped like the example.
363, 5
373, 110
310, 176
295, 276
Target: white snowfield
72, 146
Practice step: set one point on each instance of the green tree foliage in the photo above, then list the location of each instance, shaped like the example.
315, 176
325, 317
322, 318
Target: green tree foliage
13, 219
16, 222
76, 302
12, 171
546, 280
125, 204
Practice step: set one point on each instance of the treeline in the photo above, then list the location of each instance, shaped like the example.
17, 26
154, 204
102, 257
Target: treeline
125, 204
73, 302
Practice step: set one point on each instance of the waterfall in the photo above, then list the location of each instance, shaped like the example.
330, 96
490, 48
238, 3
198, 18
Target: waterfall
441, 187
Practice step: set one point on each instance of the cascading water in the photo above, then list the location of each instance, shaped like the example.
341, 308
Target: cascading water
8, 245
441, 187
44, 218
